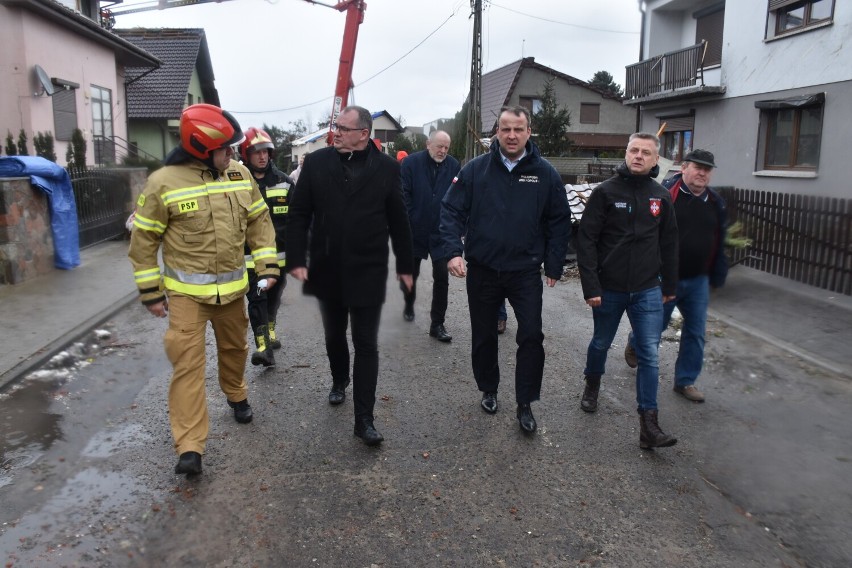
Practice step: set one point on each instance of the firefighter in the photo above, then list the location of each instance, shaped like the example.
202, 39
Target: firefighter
201, 209
257, 152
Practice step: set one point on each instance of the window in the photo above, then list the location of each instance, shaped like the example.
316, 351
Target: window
532, 104
64, 113
189, 99
102, 125
709, 26
590, 113
788, 16
790, 133
676, 139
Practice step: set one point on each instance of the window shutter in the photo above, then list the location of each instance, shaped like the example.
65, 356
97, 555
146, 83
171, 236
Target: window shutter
590, 113
678, 123
64, 113
710, 27
777, 4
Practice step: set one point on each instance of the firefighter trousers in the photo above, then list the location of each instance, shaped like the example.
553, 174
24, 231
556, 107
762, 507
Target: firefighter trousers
185, 348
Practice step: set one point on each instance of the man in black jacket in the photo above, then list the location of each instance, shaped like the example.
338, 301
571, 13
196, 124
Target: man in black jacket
426, 176
512, 207
349, 196
257, 152
627, 255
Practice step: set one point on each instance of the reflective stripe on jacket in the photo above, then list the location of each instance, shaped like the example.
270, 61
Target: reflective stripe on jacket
202, 224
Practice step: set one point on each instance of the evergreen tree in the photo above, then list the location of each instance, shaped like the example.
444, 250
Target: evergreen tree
78, 145
458, 132
11, 149
22, 143
43, 144
69, 156
550, 124
604, 81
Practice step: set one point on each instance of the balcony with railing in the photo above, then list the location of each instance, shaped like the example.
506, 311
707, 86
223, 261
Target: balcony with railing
674, 75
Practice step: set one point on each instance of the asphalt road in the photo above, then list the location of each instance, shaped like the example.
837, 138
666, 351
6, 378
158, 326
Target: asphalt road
760, 475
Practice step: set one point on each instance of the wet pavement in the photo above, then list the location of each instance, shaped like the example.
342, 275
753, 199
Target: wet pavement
759, 477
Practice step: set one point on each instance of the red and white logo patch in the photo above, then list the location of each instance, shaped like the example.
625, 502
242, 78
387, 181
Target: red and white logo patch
656, 205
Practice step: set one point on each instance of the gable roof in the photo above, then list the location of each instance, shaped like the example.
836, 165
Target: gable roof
498, 86
161, 94
125, 53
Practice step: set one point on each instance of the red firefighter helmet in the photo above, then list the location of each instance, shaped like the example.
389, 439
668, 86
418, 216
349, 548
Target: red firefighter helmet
256, 139
204, 128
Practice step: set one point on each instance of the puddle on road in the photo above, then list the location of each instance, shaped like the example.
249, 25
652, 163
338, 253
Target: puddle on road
104, 444
27, 426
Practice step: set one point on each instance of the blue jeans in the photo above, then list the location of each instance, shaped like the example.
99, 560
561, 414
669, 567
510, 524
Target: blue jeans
693, 297
645, 311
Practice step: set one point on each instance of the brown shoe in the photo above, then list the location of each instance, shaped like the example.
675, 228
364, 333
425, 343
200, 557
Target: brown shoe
689, 392
630, 356
501, 327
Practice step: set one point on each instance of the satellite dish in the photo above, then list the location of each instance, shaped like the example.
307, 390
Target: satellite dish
45, 81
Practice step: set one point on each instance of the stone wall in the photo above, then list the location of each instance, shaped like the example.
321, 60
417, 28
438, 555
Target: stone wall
26, 242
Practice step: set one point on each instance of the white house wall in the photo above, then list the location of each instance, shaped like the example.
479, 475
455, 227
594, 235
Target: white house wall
752, 65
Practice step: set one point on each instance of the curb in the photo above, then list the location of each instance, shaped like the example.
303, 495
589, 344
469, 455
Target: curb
40, 357
843, 370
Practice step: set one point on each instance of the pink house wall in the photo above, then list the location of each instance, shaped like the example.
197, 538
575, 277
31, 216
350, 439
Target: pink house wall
29, 41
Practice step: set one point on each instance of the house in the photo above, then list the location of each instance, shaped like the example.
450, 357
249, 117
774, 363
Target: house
62, 71
765, 86
156, 98
599, 121
385, 130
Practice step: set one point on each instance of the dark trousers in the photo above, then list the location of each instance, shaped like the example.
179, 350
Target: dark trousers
263, 306
440, 289
365, 339
486, 290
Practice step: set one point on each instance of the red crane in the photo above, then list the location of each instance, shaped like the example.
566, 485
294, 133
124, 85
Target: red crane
354, 17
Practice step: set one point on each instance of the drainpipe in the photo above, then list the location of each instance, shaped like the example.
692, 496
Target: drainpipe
642, 7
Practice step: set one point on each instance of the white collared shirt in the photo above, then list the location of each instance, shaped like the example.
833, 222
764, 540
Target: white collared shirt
510, 165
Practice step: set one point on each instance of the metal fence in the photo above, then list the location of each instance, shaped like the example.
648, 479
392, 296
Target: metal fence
802, 237
102, 198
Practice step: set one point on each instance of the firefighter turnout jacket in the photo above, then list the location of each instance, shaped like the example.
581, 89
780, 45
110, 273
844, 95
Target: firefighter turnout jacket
203, 221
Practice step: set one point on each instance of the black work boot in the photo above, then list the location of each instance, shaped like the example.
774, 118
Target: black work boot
274, 342
189, 463
338, 392
365, 430
589, 402
242, 411
263, 355
650, 435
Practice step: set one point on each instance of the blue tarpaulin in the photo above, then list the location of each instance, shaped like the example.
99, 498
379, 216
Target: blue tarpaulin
56, 183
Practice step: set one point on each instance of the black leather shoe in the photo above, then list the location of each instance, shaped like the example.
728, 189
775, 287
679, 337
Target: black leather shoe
526, 419
589, 402
242, 411
440, 333
489, 402
338, 393
408, 313
365, 430
189, 463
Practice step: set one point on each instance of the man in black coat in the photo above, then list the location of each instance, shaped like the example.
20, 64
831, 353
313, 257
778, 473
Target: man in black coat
349, 196
426, 176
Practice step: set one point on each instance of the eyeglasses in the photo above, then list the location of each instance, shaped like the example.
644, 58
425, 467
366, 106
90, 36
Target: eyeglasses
345, 129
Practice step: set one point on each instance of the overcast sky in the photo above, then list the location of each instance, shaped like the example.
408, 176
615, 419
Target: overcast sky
276, 61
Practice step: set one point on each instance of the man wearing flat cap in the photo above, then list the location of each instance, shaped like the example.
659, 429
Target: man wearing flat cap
701, 220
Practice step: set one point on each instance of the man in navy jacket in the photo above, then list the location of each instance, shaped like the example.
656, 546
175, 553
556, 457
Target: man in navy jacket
512, 207
426, 176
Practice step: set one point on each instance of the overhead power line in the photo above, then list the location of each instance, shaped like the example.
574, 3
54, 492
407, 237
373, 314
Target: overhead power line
406, 54
561, 23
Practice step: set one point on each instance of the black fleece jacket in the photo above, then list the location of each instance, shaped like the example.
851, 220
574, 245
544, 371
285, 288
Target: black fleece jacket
627, 240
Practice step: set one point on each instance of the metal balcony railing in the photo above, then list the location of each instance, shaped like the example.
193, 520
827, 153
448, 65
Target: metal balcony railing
666, 72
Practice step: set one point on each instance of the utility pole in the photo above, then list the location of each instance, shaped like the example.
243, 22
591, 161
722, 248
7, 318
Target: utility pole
474, 107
